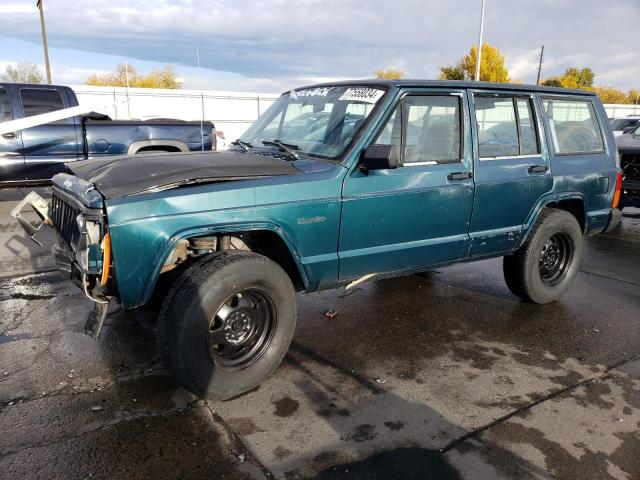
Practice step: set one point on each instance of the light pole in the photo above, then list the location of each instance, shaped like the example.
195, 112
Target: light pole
44, 41
479, 55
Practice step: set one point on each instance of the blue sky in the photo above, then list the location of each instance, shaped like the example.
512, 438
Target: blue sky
272, 45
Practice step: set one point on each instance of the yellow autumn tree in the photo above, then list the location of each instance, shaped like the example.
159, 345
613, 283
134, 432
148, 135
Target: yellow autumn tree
492, 66
164, 77
389, 73
610, 94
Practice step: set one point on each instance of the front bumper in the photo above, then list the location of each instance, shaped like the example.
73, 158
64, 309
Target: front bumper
79, 228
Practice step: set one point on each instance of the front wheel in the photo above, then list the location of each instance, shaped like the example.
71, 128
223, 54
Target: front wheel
227, 323
544, 267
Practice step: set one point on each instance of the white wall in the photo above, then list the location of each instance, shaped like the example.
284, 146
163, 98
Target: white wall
231, 112
615, 111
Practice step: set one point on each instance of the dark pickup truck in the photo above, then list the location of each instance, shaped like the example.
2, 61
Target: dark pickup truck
36, 154
629, 150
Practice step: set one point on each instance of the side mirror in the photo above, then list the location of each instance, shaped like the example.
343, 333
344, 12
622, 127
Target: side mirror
379, 157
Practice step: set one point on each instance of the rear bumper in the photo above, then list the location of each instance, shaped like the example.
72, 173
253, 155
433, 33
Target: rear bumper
614, 220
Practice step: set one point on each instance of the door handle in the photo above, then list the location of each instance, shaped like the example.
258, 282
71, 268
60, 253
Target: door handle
537, 169
459, 176
10, 135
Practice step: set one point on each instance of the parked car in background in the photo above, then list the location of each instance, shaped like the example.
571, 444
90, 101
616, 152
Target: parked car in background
629, 151
334, 185
36, 154
624, 124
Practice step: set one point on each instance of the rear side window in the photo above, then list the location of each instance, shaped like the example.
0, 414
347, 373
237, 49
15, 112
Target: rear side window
5, 106
506, 126
425, 129
574, 126
37, 101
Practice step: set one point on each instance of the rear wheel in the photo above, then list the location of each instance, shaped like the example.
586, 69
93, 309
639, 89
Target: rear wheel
227, 323
544, 267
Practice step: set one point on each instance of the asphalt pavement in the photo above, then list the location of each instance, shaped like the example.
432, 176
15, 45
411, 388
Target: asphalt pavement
444, 375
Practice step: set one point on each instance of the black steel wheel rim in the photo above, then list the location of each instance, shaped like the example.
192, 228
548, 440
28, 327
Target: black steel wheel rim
555, 258
242, 328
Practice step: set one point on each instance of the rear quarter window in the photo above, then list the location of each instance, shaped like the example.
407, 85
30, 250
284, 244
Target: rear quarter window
5, 106
36, 101
574, 126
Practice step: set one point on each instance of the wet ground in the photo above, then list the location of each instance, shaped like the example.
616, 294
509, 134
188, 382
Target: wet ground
440, 376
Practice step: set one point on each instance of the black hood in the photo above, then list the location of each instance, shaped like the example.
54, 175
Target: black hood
628, 143
119, 176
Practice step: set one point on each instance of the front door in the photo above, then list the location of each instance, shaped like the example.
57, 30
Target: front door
11, 158
418, 214
511, 169
47, 147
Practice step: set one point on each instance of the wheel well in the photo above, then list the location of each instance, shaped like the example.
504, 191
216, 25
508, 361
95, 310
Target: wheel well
574, 206
158, 148
271, 245
264, 242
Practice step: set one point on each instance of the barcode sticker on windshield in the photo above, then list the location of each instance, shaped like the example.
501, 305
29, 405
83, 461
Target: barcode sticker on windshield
310, 92
362, 94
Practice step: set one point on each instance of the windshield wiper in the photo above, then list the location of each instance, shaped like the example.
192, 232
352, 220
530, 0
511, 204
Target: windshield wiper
287, 147
243, 145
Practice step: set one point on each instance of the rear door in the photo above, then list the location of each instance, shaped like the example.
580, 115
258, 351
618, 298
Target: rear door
418, 214
11, 158
511, 168
47, 147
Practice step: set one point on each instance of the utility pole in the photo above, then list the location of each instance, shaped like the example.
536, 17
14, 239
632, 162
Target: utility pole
479, 56
126, 78
44, 41
201, 105
540, 65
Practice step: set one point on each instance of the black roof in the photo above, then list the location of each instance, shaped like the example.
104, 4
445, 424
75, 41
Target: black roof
452, 84
38, 85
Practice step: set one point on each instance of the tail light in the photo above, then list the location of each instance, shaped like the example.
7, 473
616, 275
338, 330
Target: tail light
214, 140
618, 190
106, 259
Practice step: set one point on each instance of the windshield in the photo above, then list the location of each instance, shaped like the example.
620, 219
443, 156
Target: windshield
622, 123
319, 121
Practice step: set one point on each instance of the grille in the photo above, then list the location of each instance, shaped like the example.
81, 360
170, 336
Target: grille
64, 217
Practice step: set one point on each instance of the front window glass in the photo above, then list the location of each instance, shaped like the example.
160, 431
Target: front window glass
319, 121
431, 129
622, 123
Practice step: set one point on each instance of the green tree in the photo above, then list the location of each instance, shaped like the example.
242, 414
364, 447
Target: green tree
573, 77
23, 72
165, 77
492, 66
553, 82
451, 73
389, 73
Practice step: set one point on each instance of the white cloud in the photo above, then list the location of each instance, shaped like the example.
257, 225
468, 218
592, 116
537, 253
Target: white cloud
271, 41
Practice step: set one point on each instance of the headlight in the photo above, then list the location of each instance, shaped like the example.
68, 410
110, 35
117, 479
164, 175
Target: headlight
82, 257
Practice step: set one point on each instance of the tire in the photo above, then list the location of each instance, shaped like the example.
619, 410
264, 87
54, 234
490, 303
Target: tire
215, 307
544, 267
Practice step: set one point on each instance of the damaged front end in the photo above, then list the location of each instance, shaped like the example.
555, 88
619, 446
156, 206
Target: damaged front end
83, 249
